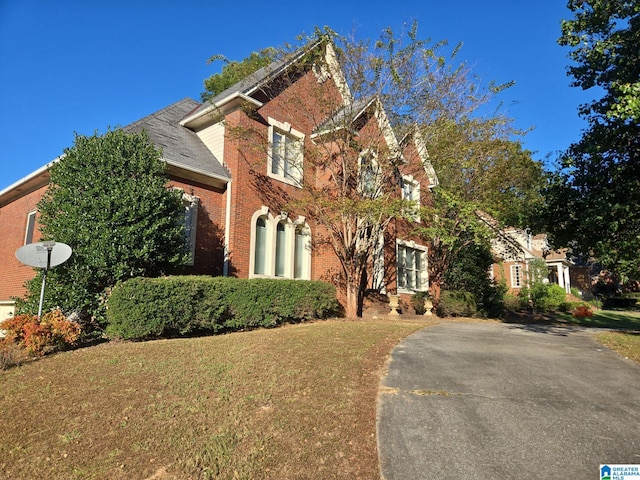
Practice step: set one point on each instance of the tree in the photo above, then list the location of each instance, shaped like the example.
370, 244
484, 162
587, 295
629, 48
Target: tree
352, 171
594, 193
486, 180
108, 200
234, 71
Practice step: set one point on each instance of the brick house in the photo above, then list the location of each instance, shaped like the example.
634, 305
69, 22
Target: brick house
239, 159
515, 248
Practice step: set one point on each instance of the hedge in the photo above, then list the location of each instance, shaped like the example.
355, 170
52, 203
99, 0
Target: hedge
456, 303
142, 308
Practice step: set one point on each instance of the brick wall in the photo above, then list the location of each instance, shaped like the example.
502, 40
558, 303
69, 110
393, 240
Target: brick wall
209, 251
13, 225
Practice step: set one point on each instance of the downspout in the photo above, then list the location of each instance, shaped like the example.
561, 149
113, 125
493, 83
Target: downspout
227, 231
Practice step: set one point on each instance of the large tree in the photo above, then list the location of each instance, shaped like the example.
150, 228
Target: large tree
410, 85
595, 192
487, 181
108, 199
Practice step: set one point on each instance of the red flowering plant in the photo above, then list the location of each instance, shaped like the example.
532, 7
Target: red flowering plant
53, 332
582, 311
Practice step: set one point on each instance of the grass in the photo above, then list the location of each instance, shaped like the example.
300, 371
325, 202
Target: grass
626, 344
615, 319
297, 402
624, 336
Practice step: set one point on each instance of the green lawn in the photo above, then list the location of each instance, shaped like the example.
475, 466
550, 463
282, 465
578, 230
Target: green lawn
623, 325
614, 319
293, 402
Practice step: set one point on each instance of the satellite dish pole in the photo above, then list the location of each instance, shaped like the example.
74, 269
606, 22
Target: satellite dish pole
49, 246
44, 255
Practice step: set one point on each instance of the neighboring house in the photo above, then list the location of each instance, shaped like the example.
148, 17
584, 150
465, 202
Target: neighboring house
515, 248
234, 193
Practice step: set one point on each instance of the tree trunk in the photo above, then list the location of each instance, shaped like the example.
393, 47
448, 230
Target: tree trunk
351, 308
434, 291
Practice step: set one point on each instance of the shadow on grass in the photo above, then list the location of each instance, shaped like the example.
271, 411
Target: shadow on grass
551, 322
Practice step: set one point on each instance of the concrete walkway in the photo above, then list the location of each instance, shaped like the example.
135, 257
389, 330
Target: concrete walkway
479, 401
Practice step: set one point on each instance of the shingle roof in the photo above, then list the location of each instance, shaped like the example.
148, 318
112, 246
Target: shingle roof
259, 77
180, 146
345, 116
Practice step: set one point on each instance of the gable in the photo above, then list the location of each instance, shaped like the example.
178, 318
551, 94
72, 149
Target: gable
182, 149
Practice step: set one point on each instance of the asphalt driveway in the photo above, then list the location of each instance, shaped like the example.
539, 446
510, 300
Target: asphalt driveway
485, 400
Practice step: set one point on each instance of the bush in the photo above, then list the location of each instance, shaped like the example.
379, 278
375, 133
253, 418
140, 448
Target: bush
151, 307
454, 303
582, 311
553, 297
512, 302
417, 302
542, 297
53, 332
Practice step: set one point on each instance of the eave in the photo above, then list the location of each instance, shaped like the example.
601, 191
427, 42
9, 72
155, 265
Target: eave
176, 170
26, 185
214, 111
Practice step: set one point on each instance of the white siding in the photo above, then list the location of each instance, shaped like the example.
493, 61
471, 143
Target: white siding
6, 311
213, 138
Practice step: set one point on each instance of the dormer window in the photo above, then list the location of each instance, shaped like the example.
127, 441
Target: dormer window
286, 147
411, 193
368, 175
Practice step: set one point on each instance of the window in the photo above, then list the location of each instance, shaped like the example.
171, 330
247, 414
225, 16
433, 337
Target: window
412, 267
285, 152
368, 180
281, 247
190, 220
260, 258
516, 276
281, 250
31, 226
411, 193
301, 255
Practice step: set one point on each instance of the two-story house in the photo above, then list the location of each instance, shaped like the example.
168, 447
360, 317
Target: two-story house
242, 160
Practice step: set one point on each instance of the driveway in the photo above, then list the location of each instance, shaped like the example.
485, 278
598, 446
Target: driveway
487, 400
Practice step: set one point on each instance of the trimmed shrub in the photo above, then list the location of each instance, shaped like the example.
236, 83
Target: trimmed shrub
456, 303
542, 297
553, 297
152, 307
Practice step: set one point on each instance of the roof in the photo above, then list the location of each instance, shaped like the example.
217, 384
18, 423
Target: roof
345, 116
253, 82
181, 147
182, 150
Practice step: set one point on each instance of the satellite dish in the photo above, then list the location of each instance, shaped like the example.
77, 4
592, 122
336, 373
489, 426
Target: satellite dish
44, 254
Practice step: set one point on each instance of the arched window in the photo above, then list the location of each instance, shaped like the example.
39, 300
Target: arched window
280, 247
260, 256
281, 250
301, 253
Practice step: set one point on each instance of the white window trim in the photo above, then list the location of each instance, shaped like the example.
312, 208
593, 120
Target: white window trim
362, 188
31, 227
191, 204
515, 284
408, 179
287, 130
424, 274
270, 248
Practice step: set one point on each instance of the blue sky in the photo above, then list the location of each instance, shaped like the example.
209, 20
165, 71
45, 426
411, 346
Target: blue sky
82, 66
